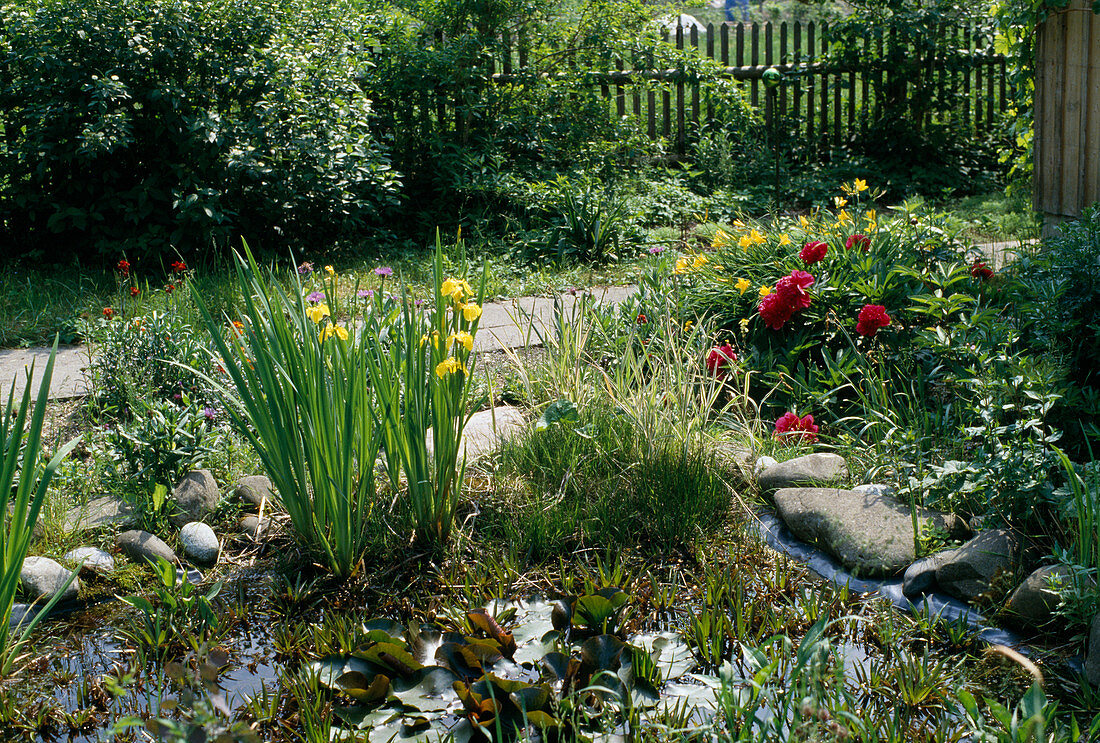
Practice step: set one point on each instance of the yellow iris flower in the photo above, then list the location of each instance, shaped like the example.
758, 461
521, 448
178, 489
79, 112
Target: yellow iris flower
449, 365
330, 330
463, 338
318, 313
471, 312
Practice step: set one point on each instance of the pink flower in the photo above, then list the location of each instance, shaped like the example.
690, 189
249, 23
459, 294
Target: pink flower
792, 290
791, 428
720, 360
858, 241
813, 252
871, 318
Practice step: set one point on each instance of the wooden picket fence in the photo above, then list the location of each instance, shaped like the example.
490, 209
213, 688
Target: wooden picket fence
822, 105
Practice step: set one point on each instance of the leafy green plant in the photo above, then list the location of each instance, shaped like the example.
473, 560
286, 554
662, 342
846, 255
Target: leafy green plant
420, 368
301, 397
178, 615
25, 475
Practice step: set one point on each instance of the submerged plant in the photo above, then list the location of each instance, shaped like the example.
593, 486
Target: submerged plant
25, 474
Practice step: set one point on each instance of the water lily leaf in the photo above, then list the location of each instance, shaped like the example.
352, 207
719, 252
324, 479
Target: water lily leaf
479, 710
392, 656
544, 721
378, 635
460, 659
363, 718
671, 654
430, 689
481, 620
533, 650
364, 689
557, 664
423, 643
403, 730
594, 612
561, 615
557, 412
601, 653
501, 687
332, 667
396, 630
644, 695
533, 698
487, 651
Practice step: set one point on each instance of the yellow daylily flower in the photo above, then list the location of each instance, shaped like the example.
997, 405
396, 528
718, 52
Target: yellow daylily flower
803, 222
739, 224
471, 311
744, 324
330, 270
840, 202
449, 365
721, 239
743, 285
859, 185
683, 264
784, 239
687, 325
699, 262
756, 237
764, 291
318, 313
843, 217
463, 338
744, 242
330, 330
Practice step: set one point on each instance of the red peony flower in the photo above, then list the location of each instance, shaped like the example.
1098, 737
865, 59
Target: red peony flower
858, 241
981, 271
108, 312
169, 288
871, 318
134, 291
792, 290
774, 311
791, 428
178, 267
720, 360
123, 267
813, 252
641, 319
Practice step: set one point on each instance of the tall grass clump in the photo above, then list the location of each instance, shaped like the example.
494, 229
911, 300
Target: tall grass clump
420, 368
25, 474
301, 397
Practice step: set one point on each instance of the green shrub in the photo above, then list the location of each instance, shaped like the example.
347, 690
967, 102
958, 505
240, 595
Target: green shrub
152, 126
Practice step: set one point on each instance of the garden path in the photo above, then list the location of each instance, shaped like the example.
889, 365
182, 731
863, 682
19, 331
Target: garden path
512, 323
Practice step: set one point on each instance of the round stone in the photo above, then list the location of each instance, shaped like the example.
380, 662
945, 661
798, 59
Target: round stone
42, 578
200, 543
91, 560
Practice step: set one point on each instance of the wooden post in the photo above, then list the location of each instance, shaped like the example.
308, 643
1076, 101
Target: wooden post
1067, 114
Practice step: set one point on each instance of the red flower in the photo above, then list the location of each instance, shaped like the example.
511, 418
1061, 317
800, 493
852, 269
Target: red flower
858, 241
720, 360
792, 290
123, 267
774, 311
871, 318
641, 319
813, 252
169, 288
108, 313
791, 428
134, 291
981, 271
178, 267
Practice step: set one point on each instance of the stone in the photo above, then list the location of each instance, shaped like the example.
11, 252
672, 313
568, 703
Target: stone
487, 429
920, 577
105, 511
42, 577
91, 560
254, 526
141, 545
195, 497
255, 489
38, 530
874, 489
821, 469
871, 535
735, 459
200, 543
1033, 603
762, 463
1092, 656
966, 571
191, 575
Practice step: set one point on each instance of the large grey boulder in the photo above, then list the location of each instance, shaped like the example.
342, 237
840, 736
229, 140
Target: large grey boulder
871, 535
91, 560
966, 572
1033, 602
821, 469
200, 543
42, 577
486, 430
141, 545
104, 511
255, 489
920, 577
195, 497
1092, 657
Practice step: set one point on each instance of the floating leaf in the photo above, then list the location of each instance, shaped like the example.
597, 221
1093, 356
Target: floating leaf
395, 630
460, 659
556, 664
601, 653
430, 689
480, 619
364, 689
392, 656
332, 667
